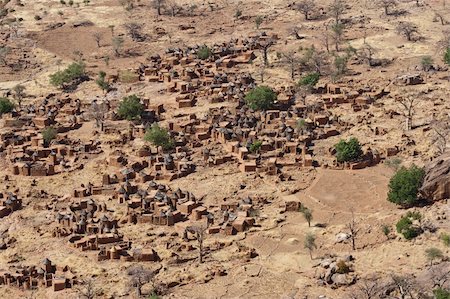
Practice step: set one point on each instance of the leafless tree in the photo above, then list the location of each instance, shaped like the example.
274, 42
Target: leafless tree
408, 103
306, 7
366, 53
117, 43
440, 275
261, 72
174, 7
98, 112
314, 60
439, 16
88, 291
387, 5
407, 29
294, 31
199, 233
352, 226
4, 51
404, 286
158, 5
367, 288
338, 33
97, 38
135, 31
290, 59
337, 8
264, 47
441, 130
139, 276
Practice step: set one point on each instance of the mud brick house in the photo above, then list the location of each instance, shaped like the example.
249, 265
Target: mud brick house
9, 203
43, 276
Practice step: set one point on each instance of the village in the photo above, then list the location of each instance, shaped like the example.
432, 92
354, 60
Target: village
231, 167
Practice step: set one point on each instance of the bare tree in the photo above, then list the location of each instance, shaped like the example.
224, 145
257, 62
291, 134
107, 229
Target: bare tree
337, 8
367, 288
387, 5
441, 129
352, 226
4, 51
439, 16
407, 29
366, 53
310, 243
338, 33
158, 5
407, 103
97, 38
264, 47
403, 285
135, 31
294, 31
290, 59
306, 7
98, 112
440, 275
88, 291
117, 43
314, 60
174, 7
139, 276
199, 233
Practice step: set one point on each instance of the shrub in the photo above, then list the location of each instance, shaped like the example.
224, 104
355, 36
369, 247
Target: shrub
49, 133
342, 267
426, 62
393, 163
101, 82
405, 227
204, 53
159, 137
255, 146
386, 230
446, 239
37, 17
258, 21
433, 253
441, 293
414, 215
310, 80
347, 151
404, 185
130, 108
447, 56
261, 98
6, 106
74, 72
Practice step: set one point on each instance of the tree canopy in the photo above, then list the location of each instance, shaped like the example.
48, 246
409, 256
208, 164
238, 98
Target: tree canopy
347, 151
130, 108
404, 185
261, 98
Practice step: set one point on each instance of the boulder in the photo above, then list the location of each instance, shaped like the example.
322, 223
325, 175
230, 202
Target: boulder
436, 185
342, 237
342, 279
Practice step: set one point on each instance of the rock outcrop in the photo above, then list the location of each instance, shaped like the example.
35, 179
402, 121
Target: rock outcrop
436, 184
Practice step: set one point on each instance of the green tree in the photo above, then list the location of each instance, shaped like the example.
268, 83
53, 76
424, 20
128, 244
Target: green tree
310, 243
6, 106
307, 213
48, 134
446, 239
159, 137
102, 83
130, 108
204, 52
426, 62
255, 146
261, 98
347, 151
433, 254
72, 74
404, 185
19, 93
258, 21
405, 227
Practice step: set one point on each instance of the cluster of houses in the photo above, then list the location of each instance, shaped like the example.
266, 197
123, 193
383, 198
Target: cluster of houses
45, 275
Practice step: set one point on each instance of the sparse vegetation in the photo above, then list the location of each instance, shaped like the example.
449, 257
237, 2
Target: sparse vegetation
48, 134
159, 137
404, 185
310, 243
102, 83
405, 227
204, 53
261, 98
72, 75
130, 108
348, 151
433, 254
255, 147
6, 106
